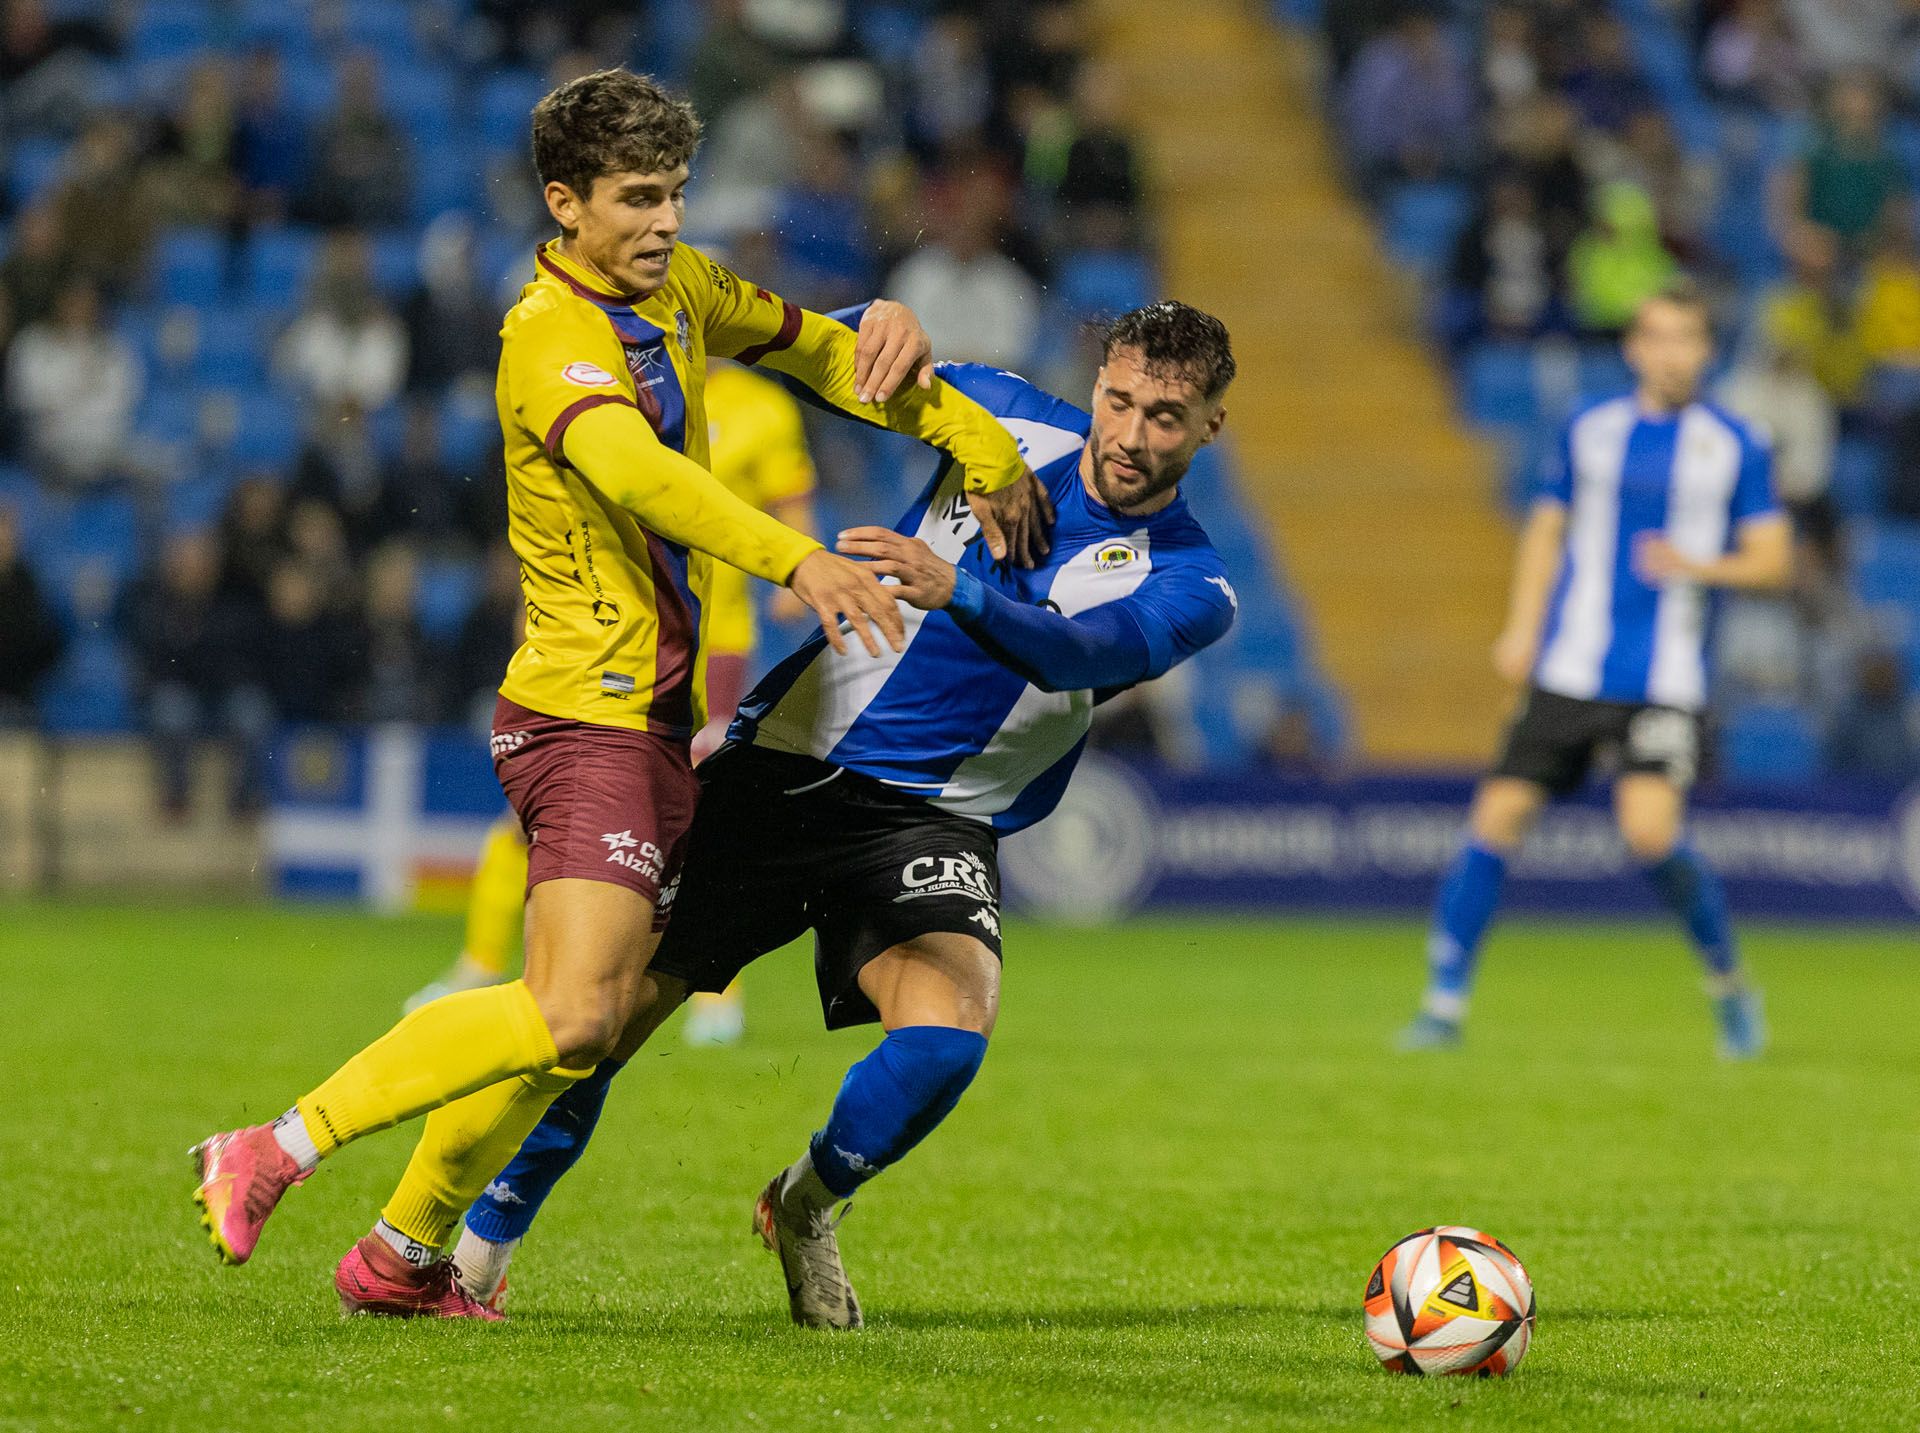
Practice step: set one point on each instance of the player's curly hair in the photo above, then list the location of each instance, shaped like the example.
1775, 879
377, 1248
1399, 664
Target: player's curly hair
1175, 338
610, 122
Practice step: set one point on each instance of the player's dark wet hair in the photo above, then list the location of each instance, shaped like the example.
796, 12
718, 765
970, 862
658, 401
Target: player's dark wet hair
1175, 338
610, 122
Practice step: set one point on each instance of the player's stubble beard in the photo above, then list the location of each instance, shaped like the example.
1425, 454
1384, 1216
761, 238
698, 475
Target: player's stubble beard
1126, 500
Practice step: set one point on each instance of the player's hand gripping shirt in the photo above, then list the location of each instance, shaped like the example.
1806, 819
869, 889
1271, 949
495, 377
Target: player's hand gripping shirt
945, 720
611, 509
1623, 475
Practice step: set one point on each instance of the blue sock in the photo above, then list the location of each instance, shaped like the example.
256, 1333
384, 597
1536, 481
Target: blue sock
891, 1100
507, 1209
1468, 898
1694, 893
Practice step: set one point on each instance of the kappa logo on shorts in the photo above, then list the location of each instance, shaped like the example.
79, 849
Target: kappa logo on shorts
667, 893
625, 849
987, 920
965, 874
505, 743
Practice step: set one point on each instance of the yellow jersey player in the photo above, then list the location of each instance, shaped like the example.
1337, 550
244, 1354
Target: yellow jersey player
617, 523
758, 449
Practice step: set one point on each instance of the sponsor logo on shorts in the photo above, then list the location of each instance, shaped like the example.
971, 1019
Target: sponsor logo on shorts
586, 375
626, 849
616, 682
505, 743
965, 874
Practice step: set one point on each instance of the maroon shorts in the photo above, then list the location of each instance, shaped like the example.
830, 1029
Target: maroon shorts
598, 803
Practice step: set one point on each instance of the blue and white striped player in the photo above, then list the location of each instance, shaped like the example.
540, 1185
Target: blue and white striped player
862, 797
1658, 499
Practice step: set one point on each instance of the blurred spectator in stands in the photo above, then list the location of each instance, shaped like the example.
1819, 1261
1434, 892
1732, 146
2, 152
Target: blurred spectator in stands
1618, 262
318, 668
452, 322
978, 305
361, 161
317, 545
1538, 141
1502, 270
1840, 35
1102, 172
417, 492
951, 86
199, 656
1276, 727
1874, 736
1349, 24
1887, 306
1836, 629
48, 66
340, 466
1901, 498
270, 140
1848, 174
1773, 388
1809, 314
733, 61
253, 538
487, 641
1685, 188
1509, 61
1750, 59
750, 154
190, 173
1408, 104
104, 228
74, 384
346, 346
31, 640
1153, 721
36, 265
1605, 84
1036, 42
826, 251
399, 683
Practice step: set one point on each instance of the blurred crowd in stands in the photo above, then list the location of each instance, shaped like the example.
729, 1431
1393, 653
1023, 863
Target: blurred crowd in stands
1543, 165
253, 255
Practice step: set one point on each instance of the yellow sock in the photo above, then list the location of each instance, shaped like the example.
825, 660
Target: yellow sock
465, 1145
498, 898
442, 1051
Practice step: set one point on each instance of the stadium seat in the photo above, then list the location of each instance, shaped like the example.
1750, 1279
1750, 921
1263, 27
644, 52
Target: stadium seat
1858, 486
1104, 283
266, 434
889, 33
1422, 221
1603, 373
444, 592
506, 101
1766, 745
169, 30
189, 266
286, 25
396, 263
278, 264
1887, 563
36, 164
1497, 385
234, 350
381, 26
469, 432
90, 691
309, 83
419, 99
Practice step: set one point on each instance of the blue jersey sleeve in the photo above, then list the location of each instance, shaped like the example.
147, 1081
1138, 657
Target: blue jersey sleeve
1753, 495
1179, 612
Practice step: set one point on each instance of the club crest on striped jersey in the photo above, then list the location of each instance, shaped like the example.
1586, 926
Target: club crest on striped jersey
683, 331
1115, 554
586, 375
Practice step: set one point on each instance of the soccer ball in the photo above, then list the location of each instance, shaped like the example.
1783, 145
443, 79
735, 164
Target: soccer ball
1450, 1300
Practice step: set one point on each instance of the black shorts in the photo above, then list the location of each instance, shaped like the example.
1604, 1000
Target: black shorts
1555, 741
782, 844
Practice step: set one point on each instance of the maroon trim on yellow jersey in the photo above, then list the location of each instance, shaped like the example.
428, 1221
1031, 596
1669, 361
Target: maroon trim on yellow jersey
586, 291
789, 331
557, 434
676, 637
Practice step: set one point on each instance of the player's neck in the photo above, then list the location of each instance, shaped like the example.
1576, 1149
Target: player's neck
1654, 405
567, 248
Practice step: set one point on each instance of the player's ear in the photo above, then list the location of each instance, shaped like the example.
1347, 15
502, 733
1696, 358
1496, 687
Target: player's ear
564, 205
1214, 420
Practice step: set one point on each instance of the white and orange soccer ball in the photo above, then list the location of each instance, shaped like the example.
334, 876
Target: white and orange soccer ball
1450, 1300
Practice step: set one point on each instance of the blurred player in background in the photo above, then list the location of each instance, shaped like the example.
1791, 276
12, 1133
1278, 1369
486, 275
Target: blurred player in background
864, 800
1659, 498
616, 522
758, 449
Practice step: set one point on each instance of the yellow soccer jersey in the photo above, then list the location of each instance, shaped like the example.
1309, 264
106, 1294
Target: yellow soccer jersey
759, 450
610, 508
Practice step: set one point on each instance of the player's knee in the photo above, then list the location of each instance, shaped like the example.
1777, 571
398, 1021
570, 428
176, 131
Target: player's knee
584, 1034
1649, 840
1500, 820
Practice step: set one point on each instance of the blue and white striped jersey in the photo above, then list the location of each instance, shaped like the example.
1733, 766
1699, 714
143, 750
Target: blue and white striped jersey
943, 719
1694, 476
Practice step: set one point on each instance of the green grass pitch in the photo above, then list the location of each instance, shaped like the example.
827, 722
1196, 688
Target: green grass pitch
1155, 1209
